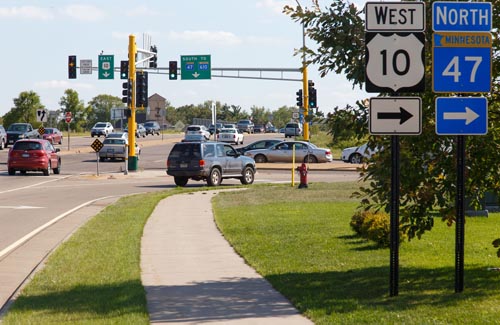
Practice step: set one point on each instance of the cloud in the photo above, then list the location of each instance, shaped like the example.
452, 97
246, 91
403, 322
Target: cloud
62, 84
275, 6
141, 11
26, 12
206, 36
83, 12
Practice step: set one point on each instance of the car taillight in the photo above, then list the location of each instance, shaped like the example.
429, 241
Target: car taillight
168, 163
201, 163
328, 152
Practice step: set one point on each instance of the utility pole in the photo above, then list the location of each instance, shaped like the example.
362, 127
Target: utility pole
305, 85
132, 158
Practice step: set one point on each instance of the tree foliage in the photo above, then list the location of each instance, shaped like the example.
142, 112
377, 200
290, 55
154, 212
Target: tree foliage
71, 103
24, 110
428, 172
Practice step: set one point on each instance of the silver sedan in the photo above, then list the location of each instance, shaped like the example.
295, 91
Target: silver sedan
283, 152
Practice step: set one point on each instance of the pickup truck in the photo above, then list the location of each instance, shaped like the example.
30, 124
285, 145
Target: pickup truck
18, 131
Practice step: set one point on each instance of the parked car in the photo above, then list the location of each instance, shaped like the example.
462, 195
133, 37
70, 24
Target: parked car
53, 135
3, 137
152, 127
140, 130
101, 128
33, 155
259, 128
115, 147
208, 161
198, 129
271, 129
231, 136
293, 129
245, 126
215, 128
283, 152
261, 144
355, 155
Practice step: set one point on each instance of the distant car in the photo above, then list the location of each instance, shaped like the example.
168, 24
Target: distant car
53, 135
230, 126
116, 148
152, 127
140, 130
261, 144
259, 128
208, 161
198, 129
293, 129
231, 136
271, 129
283, 152
101, 128
118, 135
355, 155
194, 137
3, 137
245, 126
215, 128
33, 155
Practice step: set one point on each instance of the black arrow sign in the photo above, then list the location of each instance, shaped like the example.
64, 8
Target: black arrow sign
402, 116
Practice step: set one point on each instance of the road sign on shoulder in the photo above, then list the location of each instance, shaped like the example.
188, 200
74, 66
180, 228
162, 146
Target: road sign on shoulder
461, 115
106, 66
68, 117
196, 67
42, 115
454, 16
395, 115
395, 16
395, 62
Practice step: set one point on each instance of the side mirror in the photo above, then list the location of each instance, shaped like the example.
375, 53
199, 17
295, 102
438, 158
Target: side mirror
57, 149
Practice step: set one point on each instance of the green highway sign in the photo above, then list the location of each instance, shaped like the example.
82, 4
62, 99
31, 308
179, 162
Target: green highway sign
195, 67
106, 66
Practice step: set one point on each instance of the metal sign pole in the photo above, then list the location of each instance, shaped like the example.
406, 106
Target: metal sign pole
394, 249
97, 159
460, 225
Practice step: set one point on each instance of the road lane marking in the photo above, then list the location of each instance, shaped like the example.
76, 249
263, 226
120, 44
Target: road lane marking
33, 185
19, 207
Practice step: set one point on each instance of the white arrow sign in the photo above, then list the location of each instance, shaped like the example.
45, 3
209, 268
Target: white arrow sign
469, 115
196, 74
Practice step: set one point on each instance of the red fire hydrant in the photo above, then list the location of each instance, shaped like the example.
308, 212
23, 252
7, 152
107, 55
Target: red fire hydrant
303, 175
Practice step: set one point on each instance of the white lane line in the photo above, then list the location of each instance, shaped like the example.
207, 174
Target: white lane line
19, 207
22, 240
33, 185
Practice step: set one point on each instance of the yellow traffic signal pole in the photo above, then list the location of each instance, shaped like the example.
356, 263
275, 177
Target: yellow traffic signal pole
132, 158
305, 101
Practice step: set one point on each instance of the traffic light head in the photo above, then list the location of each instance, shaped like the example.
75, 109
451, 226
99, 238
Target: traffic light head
313, 102
72, 67
299, 98
127, 92
172, 70
153, 60
141, 86
124, 70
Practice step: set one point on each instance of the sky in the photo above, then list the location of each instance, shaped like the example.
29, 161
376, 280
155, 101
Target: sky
38, 37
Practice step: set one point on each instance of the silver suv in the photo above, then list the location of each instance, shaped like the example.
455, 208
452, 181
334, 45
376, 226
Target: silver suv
210, 162
292, 130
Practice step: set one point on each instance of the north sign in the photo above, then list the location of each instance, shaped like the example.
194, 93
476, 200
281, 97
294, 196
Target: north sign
196, 67
395, 62
454, 16
461, 115
395, 16
106, 67
395, 115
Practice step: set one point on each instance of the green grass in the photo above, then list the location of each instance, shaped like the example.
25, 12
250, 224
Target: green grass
300, 240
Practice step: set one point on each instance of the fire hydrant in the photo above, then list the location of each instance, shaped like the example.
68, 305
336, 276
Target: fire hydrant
303, 175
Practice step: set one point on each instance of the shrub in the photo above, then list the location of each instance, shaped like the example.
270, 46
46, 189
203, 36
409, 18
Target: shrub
374, 226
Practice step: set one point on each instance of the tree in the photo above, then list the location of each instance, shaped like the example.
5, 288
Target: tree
24, 110
100, 108
71, 103
427, 162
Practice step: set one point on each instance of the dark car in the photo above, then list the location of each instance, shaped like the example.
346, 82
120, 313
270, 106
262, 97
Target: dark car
152, 127
17, 131
33, 155
261, 144
215, 128
259, 128
208, 161
3, 137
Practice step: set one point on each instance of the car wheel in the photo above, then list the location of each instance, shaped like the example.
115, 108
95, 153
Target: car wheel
214, 179
355, 158
46, 172
23, 172
260, 159
181, 181
12, 171
248, 176
310, 159
58, 169
2, 145
60, 140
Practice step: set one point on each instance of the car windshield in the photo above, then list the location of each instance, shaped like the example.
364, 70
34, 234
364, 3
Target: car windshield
228, 131
27, 145
100, 125
49, 131
149, 124
17, 127
185, 150
193, 128
114, 141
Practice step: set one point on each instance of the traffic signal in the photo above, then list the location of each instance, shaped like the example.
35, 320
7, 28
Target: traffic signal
72, 67
299, 98
128, 113
172, 70
127, 92
313, 103
141, 87
124, 70
154, 58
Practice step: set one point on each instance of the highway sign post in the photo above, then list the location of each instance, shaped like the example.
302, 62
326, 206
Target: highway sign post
196, 67
106, 67
461, 115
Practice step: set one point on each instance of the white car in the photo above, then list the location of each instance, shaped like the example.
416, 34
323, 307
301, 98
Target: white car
355, 155
198, 129
101, 128
230, 135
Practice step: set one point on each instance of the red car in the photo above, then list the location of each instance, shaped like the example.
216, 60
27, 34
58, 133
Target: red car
53, 135
33, 155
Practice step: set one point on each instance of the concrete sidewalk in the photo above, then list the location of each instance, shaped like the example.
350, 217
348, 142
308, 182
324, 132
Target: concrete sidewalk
192, 275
